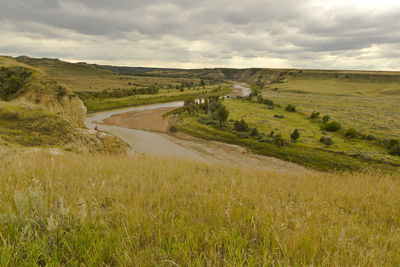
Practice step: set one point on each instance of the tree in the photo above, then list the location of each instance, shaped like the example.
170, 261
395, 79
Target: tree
241, 126
254, 132
222, 114
295, 135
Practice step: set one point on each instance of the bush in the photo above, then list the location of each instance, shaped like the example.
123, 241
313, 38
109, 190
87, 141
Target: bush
295, 135
173, 129
395, 150
279, 116
61, 91
325, 118
268, 102
241, 126
393, 142
351, 133
326, 140
278, 140
332, 126
254, 132
290, 108
314, 115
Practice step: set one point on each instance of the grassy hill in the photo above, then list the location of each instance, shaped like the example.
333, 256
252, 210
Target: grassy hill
70, 209
36, 111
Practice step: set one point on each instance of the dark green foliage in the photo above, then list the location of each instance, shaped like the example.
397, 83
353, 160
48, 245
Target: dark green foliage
260, 99
326, 140
173, 129
241, 126
395, 150
332, 126
14, 84
314, 115
118, 93
61, 91
393, 142
278, 140
295, 135
254, 132
268, 102
278, 116
12, 81
190, 106
290, 108
351, 133
325, 118
222, 115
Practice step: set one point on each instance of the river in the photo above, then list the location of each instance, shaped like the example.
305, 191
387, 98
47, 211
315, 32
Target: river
152, 142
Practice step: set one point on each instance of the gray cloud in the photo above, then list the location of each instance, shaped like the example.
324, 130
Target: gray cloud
188, 33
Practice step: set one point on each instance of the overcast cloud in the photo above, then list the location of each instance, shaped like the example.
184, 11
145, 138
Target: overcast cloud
351, 34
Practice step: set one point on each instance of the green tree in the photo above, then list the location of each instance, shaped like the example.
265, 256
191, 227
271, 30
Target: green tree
222, 114
295, 135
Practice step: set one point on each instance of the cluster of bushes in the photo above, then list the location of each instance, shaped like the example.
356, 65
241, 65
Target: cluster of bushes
290, 108
326, 140
241, 126
11, 81
118, 92
394, 147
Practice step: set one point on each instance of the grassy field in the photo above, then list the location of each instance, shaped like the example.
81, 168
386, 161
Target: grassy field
115, 210
308, 150
368, 102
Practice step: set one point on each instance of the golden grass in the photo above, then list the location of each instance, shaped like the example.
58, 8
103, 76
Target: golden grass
74, 209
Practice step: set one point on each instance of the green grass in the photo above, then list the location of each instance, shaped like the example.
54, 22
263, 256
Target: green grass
345, 153
368, 103
101, 210
99, 104
30, 126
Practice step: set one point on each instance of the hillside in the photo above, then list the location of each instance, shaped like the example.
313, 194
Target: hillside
70, 209
36, 111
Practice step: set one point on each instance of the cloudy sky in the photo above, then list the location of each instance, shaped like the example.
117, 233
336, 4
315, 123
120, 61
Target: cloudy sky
336, 34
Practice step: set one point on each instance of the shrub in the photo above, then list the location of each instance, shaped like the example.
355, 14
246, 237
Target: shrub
241, 126
326, 140
61, 91
395, 150
290, 108
173, 129
278, 140
351, 133
279, 116
325, 118
268, 102
314, 115
254, 132
295, 135
393, 142
332, 126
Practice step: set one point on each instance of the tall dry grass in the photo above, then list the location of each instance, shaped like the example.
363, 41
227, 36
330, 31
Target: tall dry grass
97, 210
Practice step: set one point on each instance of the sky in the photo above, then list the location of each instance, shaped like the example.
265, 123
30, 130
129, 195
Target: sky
323, 34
